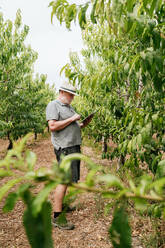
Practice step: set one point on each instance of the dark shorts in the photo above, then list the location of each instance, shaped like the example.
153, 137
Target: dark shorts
75, 165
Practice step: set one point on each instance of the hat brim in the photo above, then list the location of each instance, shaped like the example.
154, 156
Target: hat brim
69, 91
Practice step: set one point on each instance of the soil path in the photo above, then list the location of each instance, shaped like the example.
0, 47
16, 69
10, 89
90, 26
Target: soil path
91, 228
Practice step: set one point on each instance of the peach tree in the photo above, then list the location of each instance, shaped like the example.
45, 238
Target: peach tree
23, 96
122, 74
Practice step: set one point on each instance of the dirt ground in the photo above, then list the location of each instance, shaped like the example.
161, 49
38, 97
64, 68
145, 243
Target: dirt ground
91, 227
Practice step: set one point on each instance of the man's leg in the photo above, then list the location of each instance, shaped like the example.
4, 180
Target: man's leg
59, 196
61, 189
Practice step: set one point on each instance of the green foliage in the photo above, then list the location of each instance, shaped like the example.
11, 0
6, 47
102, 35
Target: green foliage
38, 228
20, 166
23, 97
7, 186
41, 197
160, 172
120, 231
10, 202
66, 12
14, 196
122, 76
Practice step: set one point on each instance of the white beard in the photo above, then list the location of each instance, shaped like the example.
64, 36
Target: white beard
65, 100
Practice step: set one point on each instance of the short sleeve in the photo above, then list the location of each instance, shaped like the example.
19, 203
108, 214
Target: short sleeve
52, 112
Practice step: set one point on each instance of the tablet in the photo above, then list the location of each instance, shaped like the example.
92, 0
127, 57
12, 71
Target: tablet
88, 117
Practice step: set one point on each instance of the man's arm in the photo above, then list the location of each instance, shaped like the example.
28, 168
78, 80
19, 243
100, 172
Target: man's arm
59, 125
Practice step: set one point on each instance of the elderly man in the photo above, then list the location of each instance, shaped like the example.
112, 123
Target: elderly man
66, 139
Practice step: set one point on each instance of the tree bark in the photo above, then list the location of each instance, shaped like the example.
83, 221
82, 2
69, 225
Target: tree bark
10, 146
121, 162
35, 136
104, 145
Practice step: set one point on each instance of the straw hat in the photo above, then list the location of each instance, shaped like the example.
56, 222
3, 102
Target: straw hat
68, 88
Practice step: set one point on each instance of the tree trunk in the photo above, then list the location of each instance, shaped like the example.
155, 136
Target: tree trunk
35, 136
10, 146
121, 162
104, 145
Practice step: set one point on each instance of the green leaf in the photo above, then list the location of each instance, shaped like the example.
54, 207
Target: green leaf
155, 117
126, 67
38, 228
7, 186
110, 180
157, 211
23, 188
5, 173
63, 68
146, 132
10, 202
120, 231
160, 172
129, 147
71, 12
154, 194
56, 5
82, 15
92, 16
31, 159
134, 144
132, 185
43, 174
140, 204
158, 185
139, 140
90, 178
143, 185
41, 197
153, 7
154, 164
124, 146
129, 5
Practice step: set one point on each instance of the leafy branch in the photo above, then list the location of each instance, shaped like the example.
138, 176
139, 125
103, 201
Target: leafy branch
97, 181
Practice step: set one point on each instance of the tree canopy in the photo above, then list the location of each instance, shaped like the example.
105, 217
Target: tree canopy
23, 96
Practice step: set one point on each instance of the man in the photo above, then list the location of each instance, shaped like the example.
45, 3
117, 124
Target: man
66, 139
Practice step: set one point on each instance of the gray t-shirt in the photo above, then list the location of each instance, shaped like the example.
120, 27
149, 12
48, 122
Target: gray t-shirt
70, 135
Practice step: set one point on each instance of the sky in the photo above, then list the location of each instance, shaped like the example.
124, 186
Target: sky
53, 42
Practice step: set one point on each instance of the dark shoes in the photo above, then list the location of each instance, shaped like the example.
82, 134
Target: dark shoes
56, 222
61, 221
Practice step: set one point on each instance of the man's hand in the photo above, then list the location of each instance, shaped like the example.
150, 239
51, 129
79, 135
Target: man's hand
59, 125
76, 117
